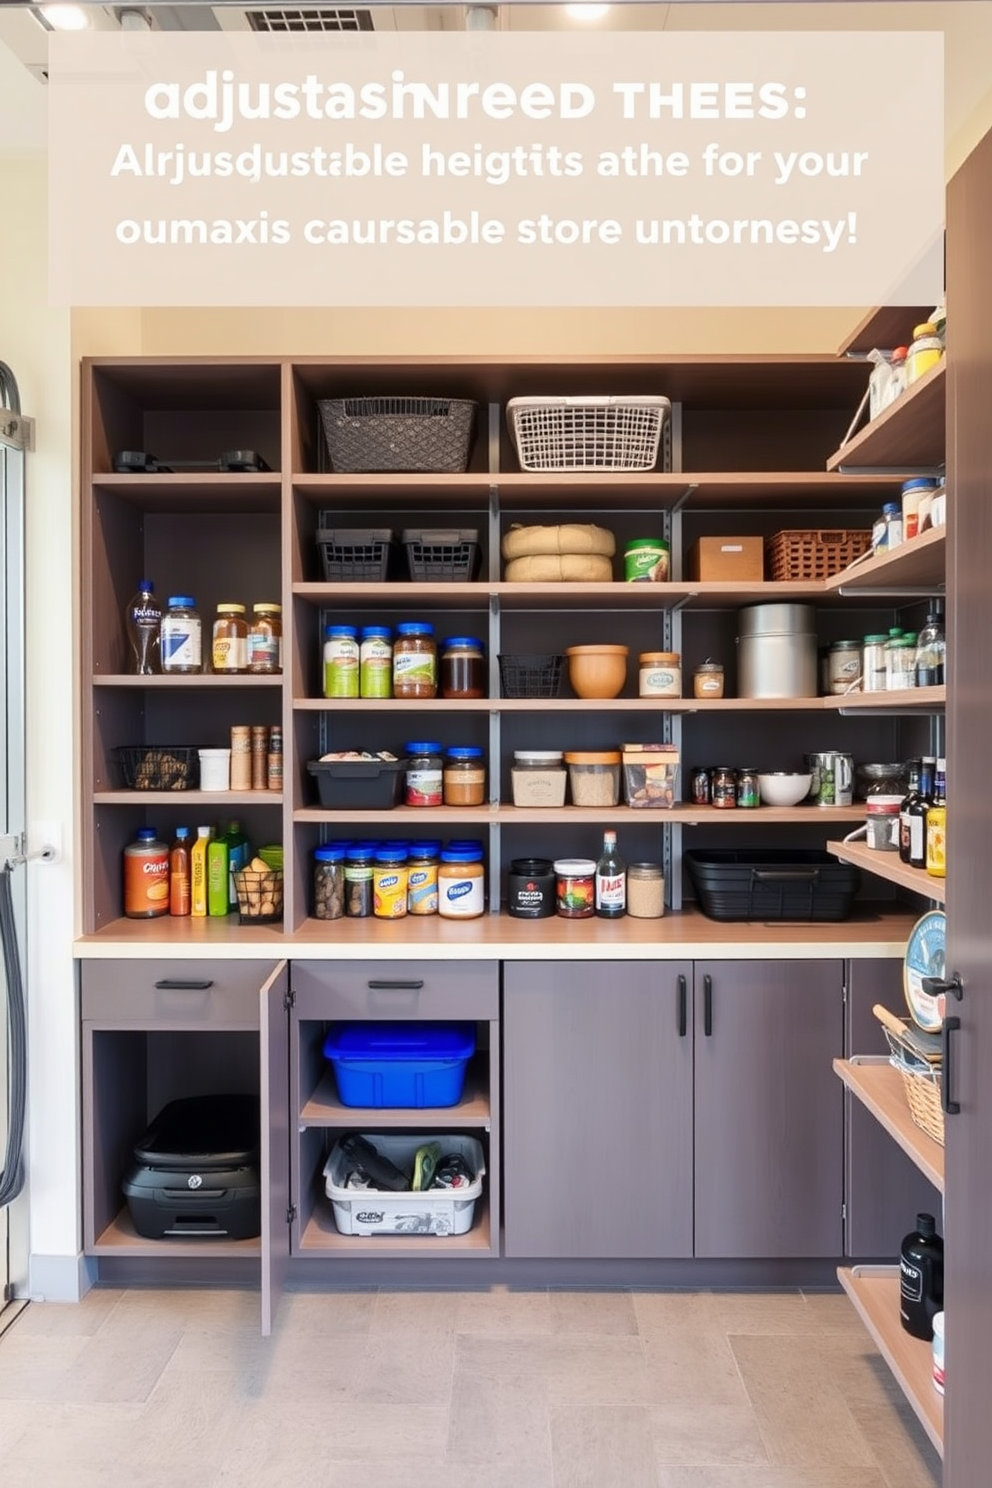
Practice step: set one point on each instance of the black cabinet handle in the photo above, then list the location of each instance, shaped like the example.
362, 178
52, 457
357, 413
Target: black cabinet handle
683, 1007
395, 986
170, 984
949, 1107
708, 1006
951, 986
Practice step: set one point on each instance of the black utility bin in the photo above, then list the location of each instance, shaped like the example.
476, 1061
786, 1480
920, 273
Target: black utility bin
196, 1170
770, 884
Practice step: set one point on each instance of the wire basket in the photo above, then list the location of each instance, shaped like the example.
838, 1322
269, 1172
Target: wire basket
921, 1082
587, 433
437, 555
530, 676
353, 555
813, 554
260, 896
158, 767
372, 434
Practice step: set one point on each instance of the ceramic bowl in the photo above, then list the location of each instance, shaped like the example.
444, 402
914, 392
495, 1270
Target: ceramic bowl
597, 671
783, 789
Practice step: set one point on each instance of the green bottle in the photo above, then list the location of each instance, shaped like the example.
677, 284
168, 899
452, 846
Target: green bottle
217, 877
238, 856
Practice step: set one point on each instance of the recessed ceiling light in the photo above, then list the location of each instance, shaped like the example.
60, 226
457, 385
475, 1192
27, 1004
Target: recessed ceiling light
65, 17
587, 12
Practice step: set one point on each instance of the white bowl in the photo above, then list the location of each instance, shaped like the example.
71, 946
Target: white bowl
783, 789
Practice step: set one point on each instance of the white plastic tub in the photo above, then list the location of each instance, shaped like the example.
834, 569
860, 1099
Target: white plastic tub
438, 1211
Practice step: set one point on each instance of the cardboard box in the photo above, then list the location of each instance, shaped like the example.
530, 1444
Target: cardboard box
727, 558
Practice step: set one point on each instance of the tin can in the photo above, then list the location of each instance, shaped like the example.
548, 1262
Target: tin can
699, 786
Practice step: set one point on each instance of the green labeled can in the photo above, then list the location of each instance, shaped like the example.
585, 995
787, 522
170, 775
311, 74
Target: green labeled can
647, 560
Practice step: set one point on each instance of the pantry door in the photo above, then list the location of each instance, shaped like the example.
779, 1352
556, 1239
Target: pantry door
968, 1079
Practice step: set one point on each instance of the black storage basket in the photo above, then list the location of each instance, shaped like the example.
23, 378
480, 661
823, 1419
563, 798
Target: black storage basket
353, 555
536, 676
410, 434
441, 555
158, 767
777, 884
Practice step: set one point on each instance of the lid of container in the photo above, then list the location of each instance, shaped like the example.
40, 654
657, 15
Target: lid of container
430, 746
332, 853
462, 844
891, 506
647, 542
903, 642
709, 666
343, 632
875, 640
400, 1041
267, 609
464, 854
645, 870
660, 658
361, 852
883, 805
230, 609
592, 756
394, 854
145, 834
777, 619
463, 751
574, 867
181, 602
463, 643
419, 852
532, 867
852, 645
146, 584
919, 483
539, 756
376, 632
926, 329
415, 628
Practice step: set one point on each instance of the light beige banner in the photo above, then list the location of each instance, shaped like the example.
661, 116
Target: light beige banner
495, 169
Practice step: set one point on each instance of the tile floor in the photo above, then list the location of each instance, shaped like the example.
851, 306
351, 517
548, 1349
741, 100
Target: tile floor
453, 1389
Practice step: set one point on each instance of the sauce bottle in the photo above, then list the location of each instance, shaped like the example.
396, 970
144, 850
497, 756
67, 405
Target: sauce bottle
198, 874
179, 873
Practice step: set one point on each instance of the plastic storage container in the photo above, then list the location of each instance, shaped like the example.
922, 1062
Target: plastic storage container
594, 776
400, 1064
436, 1211
753, 884
359, 785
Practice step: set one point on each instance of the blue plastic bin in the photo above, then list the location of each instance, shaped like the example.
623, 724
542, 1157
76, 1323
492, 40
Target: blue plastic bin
400, 1064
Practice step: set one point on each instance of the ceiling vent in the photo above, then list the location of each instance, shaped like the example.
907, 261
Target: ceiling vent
281, 19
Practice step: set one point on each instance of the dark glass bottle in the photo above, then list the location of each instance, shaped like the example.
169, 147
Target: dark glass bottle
905, 820
930, 649
921, 1277
611, 880
917, 814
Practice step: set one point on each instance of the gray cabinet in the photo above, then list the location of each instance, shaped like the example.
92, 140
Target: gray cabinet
597, 1131
768, 1110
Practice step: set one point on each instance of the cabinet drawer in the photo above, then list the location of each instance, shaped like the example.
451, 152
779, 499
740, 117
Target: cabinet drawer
187, 994
396, 989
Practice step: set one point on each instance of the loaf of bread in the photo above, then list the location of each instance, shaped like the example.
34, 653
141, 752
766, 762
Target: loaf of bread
570, 537
559, 568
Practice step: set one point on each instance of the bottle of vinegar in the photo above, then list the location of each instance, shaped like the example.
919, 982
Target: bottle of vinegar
611, 880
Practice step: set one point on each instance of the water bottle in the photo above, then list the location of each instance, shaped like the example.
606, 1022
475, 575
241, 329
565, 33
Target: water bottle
143, 619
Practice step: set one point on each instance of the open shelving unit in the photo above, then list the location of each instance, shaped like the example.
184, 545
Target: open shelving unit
874, 1291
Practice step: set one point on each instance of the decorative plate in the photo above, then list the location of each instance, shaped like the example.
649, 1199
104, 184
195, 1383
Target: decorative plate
925, 957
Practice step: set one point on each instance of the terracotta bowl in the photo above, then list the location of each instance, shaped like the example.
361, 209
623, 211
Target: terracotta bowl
597, 671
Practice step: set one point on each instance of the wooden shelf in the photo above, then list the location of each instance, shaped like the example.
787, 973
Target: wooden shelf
325, 1108
873, 1081
889, 866
906, 700
884, 328
192, 494
913, 700
186, 679
321, 1236
507, 815
120, 1238
874, 1290
910, 435
219, 799
919, 563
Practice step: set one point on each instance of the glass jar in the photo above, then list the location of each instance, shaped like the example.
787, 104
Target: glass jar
463, 668
844, 666
229, 643
390, 881
414, 660
421, 890
645, 891
531, 889
424, 774
358, 881
181, 635
748, 790
723, 788
925, 352
375, 662
461, 882
575, 888
594, 777
874, 674
914, 493
265, 639
900, 663
340, 661
328, 882
892, 513
660, 674
699, 786
707, 680
464, 776
538, 777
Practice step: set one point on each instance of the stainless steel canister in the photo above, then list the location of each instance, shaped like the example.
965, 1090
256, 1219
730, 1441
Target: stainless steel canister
776, 651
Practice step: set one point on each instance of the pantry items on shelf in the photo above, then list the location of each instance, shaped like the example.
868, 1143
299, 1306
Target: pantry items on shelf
647, 560
659, 674
181, 633
832, 778
140, 462
538, 777
531, 889
594, 776
172, 642
727, 559
211, 876
894, 372
650, 772
921, 1277
707, 680
936, 833
611, 880
913, 809
776, 651
597, 671
142, 621
783, 788
573, 552
398, 433
588, 433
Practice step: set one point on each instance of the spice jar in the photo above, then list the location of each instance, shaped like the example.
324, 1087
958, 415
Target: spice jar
531, 889
538, 777
358, 880
645, 891
594, 777
415, 660
707, 680
844, 666
925, 352
874, 677
389, 883
229, 645
181, 636
328, 882
748, 789
421, 891
900, 663
424, 774
464, 776
461, 882
340, 661
265, 639
723, 788
660, 674
375, 662
699, 786
463, 668
575, 888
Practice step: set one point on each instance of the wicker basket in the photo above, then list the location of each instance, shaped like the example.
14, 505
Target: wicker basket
921, 1082
608, 433
530, 676
813, 554
158, 767
373, 434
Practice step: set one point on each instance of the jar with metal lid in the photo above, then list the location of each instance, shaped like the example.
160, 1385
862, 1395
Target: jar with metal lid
414, 660
421, 889
181, 636
707, 680
699, 786
645, 891
464, 776
424, 773
461, 881
538, 777
660, 674
265, 639
531, 889
229, 643
375, 662
874, 676
463, 668
328, 881
575, 889
926, 350
390, 875
358, 880
844, 666
748, 789
340, 661
900, 663
723, 787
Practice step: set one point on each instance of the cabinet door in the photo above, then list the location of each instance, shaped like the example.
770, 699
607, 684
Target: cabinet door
597, 1132
274, 1022
768, 1108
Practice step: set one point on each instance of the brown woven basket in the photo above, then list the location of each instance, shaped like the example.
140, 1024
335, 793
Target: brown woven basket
923, 1096
813, 553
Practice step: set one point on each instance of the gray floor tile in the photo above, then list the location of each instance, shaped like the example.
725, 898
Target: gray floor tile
804, 1419
594, 1446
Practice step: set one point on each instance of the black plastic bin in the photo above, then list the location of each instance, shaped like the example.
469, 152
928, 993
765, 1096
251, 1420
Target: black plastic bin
359, 785
777, 884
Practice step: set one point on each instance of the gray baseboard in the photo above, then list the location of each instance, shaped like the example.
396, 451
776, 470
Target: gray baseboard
60, 1278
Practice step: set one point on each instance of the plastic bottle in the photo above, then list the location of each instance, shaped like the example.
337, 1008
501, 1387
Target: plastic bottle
892, 512
198, 873
925, 352
611, 880
238, 854
179, 873
921, 1278
182, 636
146, 876
931, 648
143, 620
218, 874
936, 860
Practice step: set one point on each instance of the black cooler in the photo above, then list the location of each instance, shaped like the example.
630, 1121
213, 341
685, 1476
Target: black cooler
196, 1170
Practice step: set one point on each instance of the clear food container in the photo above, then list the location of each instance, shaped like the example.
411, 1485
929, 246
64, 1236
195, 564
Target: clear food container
594, 777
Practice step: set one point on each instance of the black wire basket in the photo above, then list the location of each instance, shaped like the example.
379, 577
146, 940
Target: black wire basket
158, 767
530, 676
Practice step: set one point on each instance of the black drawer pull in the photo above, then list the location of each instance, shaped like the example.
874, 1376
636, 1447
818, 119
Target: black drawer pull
949, 1106
395, 986
708, 1006
683, 1007
169, 984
